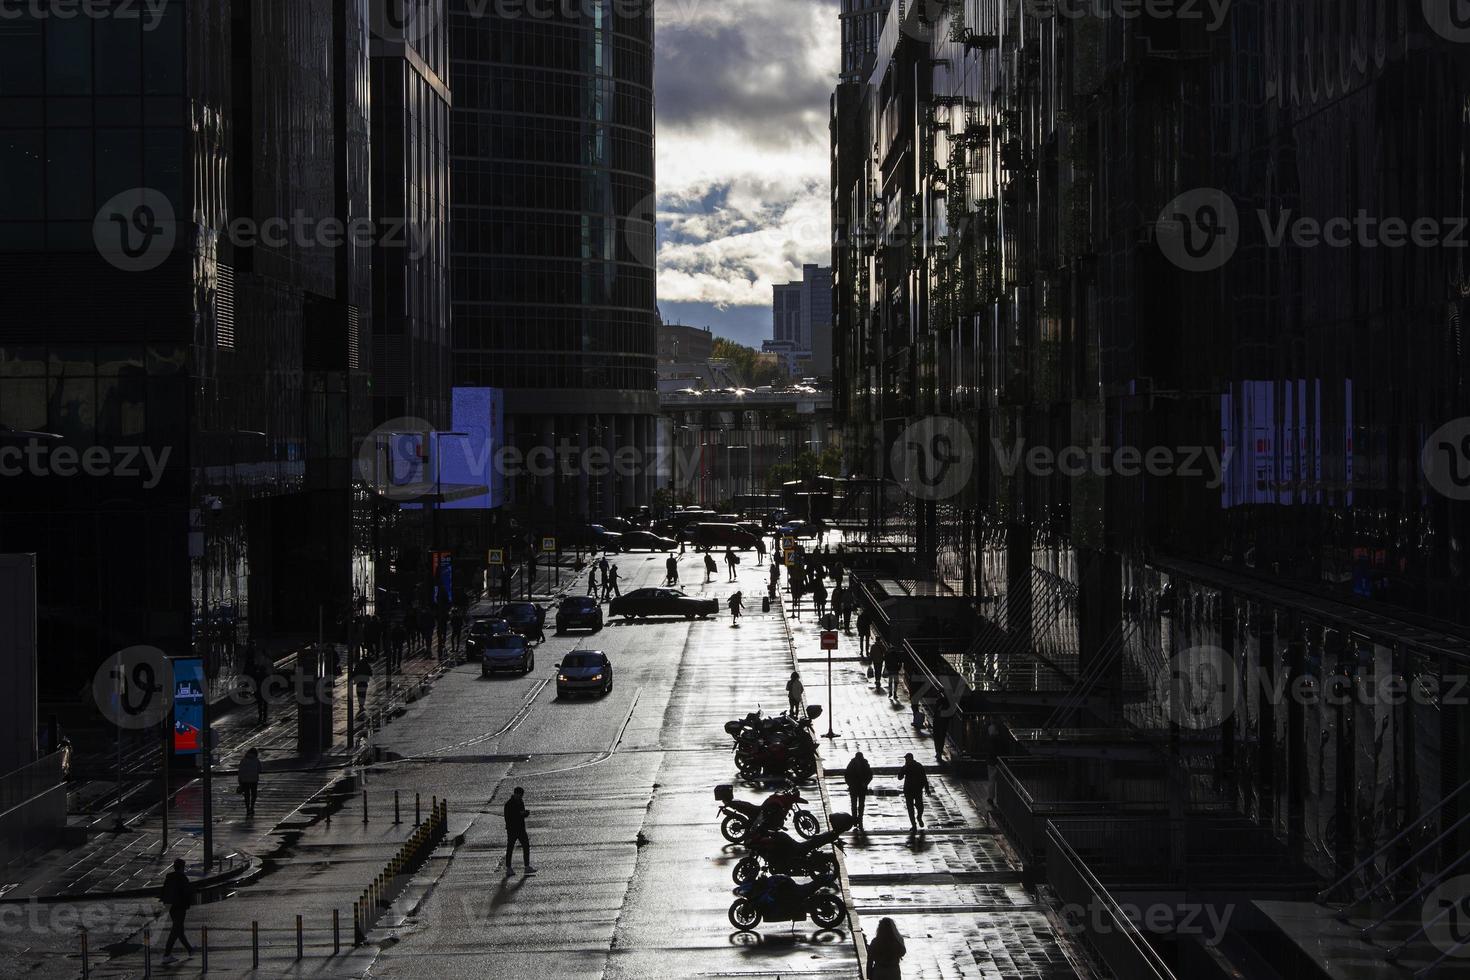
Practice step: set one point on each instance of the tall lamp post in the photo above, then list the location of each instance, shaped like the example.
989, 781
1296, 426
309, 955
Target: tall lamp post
730, 469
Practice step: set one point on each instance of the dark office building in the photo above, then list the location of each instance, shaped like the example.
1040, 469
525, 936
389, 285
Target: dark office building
410, 167
553, 235
211, 380
862, 20
1058, 232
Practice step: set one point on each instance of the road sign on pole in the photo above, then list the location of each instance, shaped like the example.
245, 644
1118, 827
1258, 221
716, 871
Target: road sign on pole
548, 544
829, 639
495, 556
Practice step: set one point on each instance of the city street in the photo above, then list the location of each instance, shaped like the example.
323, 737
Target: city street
623, 823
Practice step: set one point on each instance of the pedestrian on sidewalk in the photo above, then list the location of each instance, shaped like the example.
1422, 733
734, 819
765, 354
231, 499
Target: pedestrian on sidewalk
362, 678
506, 579
372, 634
915, 782
672, 566
411, 624
877, 655
610, 585
794, 691
710, 568
819, 596
592, 581
858, 776
775, 573
865, 629
942, 712
885, 952
892, 663
737, 606
731, 560
760, 551
456, 625
178, 895
515, 832
399, 639
259, 681
250, 779
443, 630
916, 703
426, 629
849, 603
796, 596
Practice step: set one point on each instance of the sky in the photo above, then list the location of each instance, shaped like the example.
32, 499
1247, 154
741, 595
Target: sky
742, 91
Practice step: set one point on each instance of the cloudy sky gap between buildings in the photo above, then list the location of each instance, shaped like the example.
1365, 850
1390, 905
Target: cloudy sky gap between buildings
743, 172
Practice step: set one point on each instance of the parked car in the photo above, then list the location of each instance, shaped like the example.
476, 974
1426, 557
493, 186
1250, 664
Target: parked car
648, 541
720, 536
618, 526
799, 529
506, 652
481, 630
523, 618
584, 672
662, 602
579, 612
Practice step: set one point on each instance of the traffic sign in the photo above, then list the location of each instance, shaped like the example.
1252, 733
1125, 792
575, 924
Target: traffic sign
495, 556
548, 544
829, 639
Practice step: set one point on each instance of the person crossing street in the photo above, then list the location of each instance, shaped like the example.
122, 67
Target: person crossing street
515, 832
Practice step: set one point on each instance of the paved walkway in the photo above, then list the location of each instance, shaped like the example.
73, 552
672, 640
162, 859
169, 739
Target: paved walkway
137, 858
954, 890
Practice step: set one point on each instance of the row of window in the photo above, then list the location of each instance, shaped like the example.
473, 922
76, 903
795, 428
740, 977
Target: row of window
541, 372
557, 48
80, 55
551, 94
513, 280
565, 334
562, 141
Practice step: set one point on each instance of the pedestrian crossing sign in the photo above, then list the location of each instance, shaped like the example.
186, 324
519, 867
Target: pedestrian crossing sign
495, 556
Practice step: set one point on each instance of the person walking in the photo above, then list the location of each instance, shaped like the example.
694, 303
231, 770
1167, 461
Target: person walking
885, 952
940, 726
411, 623
259, 681
892, 664
250, 779
515, 832
775, 573
849, 603
372, 634
178, 894
592, 581
362, 677
916, 703
794, 691
796, 596
819, 596
760, 551
737, 606
710, 568
399, 640
456, 627
426, 630
672, 566
610, 585
865, 629
877, 655
858, 776
915, 782
731, 560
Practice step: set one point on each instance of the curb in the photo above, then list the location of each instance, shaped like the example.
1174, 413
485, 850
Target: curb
855, 927
205, 888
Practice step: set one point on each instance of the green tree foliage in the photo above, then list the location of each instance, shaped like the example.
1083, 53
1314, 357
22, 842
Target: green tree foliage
745, 361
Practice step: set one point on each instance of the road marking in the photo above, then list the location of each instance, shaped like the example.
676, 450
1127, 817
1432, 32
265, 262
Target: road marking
622, 730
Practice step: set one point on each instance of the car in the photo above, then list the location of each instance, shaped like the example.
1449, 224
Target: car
648, 541
718, 535
662, 602
506, 652
584, 672
579, 612
524, 618
481, 630
799, 529
618, 526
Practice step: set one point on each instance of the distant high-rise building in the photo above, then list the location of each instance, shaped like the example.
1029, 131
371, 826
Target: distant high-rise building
801, 322
553, 241
862, 22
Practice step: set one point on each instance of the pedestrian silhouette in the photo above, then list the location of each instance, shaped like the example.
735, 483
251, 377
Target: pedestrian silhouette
737, 606
362, 677
710, 568
250, 779
794, 691
885, 952
942, 711
858, 776
915, 781
178, 895
731, 560
672, 565
515, 832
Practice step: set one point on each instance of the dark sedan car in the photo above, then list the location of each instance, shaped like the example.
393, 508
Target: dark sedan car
648, 541
506, 652
662, 602
579, 612
480, 631
720, 536
584, 672
524, 618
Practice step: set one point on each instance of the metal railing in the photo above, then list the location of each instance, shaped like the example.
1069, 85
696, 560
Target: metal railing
28, 782
1108, 930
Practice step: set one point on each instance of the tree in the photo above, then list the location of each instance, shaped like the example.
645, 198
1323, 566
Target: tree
746, 363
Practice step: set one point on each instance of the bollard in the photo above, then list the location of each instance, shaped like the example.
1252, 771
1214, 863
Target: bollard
147, 951
255, 945
204, 949
364, 807
336, 932
417, 818
395, 808
299, 950
86, 960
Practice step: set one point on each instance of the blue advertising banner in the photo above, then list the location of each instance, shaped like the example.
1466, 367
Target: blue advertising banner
188, 704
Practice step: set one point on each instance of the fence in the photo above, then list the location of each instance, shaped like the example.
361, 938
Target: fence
32, 807
378, 896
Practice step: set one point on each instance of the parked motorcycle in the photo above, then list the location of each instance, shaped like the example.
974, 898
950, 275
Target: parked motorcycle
793, 760
742, 818
776, 898
781, 854
757, 725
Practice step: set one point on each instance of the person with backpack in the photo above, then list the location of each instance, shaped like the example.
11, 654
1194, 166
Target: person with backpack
737, 606
858, 776
731, 560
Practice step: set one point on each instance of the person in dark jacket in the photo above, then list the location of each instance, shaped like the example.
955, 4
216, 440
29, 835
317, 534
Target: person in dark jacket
178, 895
942, 711
892, 664
858, 776
515, 831
915, 781
885, 952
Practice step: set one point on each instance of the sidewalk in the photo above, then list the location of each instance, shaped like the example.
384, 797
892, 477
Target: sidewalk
134, 861
954, 891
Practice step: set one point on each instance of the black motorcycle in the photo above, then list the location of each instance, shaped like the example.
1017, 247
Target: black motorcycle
777, 898
781, 854
742, 819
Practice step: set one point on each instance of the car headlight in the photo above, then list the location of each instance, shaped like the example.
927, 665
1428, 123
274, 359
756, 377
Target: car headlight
562, 678
595, 677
